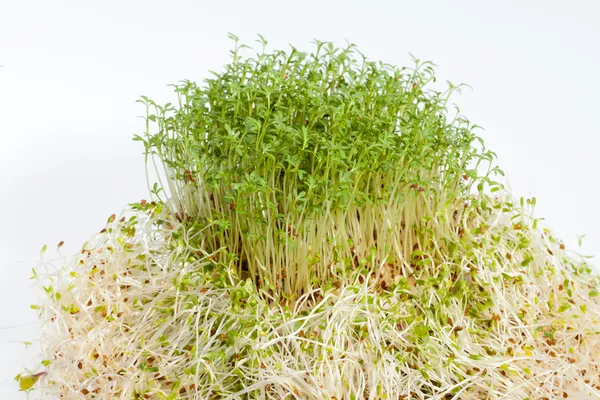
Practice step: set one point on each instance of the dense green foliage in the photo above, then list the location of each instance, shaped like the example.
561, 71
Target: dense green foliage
283, 152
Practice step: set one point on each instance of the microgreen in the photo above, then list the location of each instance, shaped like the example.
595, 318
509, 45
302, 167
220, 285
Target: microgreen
302, 153
322, 228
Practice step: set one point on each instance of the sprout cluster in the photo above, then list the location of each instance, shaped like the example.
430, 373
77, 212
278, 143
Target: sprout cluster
296, 160
317, 234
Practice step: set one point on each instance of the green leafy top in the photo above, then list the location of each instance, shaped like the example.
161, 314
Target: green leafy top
314, 131
281, 156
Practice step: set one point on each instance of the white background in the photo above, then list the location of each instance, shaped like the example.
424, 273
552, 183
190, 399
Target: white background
71, 72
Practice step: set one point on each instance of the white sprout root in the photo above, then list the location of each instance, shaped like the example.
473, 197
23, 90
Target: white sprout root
139, 314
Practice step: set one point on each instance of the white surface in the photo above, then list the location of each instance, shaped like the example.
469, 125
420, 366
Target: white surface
71, 73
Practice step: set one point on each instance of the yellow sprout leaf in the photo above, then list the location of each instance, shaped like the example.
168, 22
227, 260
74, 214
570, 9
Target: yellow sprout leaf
26, 382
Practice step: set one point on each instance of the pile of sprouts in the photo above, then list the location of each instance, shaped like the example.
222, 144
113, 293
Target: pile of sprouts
323, 227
